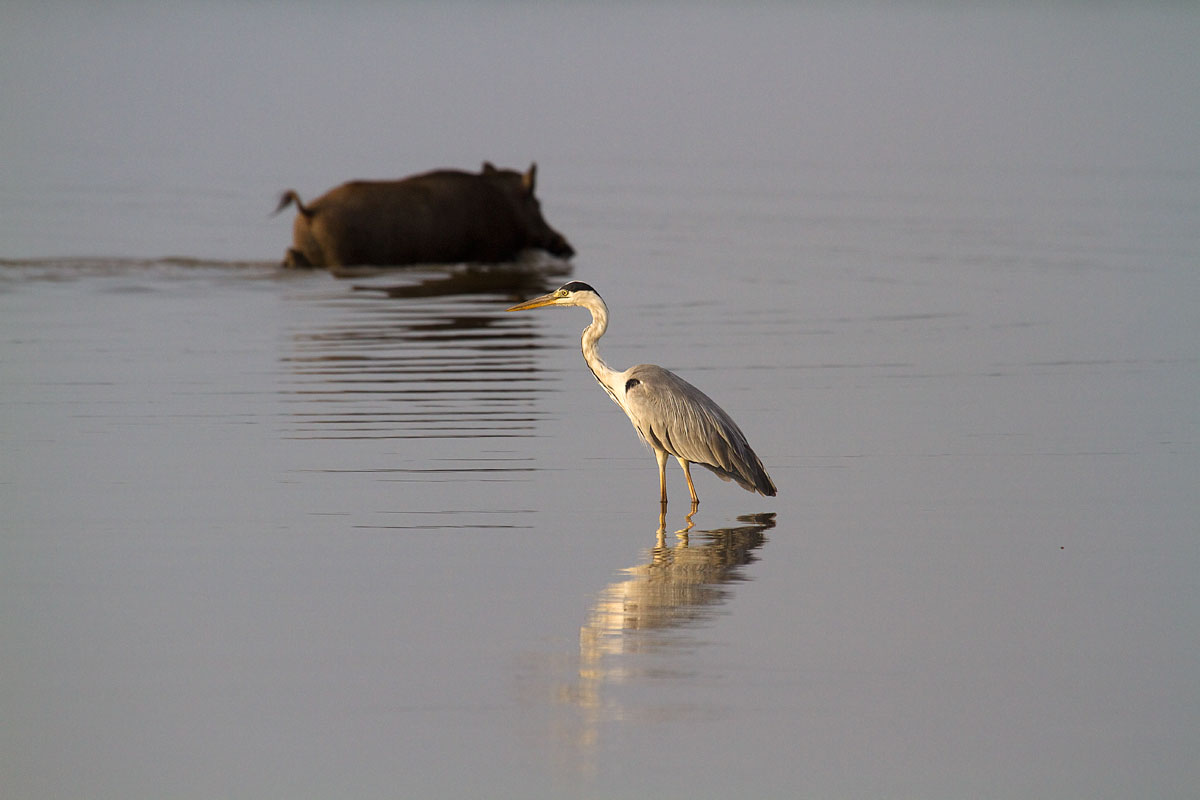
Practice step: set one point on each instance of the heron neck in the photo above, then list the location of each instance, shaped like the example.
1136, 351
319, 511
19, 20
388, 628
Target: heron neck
607, 376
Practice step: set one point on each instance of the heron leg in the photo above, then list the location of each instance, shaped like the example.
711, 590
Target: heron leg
687, 473
661, 457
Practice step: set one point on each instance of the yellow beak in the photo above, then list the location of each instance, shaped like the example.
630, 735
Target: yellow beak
537, 302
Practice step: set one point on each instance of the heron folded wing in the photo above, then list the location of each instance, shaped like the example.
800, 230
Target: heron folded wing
675, 416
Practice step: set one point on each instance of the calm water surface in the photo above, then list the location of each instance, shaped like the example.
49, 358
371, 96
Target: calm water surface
276, 534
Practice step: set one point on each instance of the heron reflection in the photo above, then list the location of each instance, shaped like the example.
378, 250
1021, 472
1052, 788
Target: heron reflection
634, 631
679, 585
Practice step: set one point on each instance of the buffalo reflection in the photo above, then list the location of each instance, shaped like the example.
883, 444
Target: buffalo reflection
533, 272
474, 280
431, 358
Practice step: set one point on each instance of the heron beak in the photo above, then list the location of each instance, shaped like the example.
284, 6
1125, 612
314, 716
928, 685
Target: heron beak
537, 302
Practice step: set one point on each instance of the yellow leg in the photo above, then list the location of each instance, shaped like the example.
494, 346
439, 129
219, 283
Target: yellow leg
661, 456
687, 473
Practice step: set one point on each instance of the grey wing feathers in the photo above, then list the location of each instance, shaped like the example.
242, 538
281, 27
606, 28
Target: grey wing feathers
672, 415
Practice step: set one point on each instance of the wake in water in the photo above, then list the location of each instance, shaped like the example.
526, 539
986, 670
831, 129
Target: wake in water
26, 269
422, 280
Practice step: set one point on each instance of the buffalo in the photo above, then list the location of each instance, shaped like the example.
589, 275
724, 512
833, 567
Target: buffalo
445, 216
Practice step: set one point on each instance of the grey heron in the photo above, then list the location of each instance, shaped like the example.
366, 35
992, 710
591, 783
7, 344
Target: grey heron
672, 416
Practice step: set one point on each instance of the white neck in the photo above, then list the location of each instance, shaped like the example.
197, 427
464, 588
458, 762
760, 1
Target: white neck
608, 377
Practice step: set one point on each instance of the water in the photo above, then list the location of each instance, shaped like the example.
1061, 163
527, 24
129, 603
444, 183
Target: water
273, 534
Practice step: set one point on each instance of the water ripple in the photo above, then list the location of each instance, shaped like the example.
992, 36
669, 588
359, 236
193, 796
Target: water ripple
393, 367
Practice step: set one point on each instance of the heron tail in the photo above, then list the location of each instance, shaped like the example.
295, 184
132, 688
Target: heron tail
751, 476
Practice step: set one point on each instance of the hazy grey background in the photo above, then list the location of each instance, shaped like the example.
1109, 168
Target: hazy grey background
272, 534
187, 118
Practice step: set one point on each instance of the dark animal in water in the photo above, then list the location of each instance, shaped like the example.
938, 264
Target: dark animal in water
444, 216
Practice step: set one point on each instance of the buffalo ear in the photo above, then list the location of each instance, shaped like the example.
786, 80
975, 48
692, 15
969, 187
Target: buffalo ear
529, 179
489, 168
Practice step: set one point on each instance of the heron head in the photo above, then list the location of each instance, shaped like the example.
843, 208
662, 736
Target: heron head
575, 293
